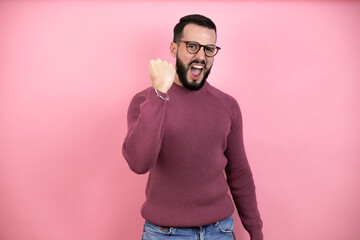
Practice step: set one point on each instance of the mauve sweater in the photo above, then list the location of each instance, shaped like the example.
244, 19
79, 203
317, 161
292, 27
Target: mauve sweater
186, 143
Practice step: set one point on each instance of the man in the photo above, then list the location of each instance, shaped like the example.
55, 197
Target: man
187, 134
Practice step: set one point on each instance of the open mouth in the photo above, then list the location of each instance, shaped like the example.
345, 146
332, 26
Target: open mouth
196, 70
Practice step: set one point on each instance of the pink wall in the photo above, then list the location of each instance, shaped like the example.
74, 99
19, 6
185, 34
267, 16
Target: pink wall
68, 70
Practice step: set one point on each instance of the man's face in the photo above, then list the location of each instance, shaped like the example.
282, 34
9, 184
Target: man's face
193, 69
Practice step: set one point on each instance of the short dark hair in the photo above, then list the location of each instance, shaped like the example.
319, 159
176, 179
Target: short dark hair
194, 19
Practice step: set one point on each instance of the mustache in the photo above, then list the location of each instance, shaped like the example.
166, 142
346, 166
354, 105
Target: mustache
196, 61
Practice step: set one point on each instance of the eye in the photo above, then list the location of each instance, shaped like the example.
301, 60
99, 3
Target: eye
192, 46
210, 49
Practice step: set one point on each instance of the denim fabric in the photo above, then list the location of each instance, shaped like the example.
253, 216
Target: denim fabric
223, 230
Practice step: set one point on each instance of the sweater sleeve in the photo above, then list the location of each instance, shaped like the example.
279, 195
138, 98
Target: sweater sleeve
240, 179
142, 143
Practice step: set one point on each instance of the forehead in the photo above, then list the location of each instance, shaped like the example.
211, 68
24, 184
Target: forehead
202, 35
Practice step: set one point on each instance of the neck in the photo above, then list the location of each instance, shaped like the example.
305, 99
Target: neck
177, 81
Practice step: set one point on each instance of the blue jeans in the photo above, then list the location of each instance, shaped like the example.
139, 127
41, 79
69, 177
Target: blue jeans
223, 230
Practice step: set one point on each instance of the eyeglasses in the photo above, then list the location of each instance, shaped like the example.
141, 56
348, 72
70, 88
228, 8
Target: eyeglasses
194, 47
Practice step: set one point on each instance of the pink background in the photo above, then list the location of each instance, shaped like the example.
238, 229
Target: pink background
68, 70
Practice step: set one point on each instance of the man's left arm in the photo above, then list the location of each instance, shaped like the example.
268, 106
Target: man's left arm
240, 179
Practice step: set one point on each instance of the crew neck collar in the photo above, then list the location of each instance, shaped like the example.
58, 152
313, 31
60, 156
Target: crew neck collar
181, 88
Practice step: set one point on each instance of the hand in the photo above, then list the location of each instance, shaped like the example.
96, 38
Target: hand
162, 74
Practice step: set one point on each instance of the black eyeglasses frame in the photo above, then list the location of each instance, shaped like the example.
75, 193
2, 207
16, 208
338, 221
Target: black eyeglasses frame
200, 45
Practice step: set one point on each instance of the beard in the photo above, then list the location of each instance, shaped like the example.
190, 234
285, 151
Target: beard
181, 71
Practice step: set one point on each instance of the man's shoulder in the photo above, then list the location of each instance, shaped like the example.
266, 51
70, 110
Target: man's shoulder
222, 96
227, 101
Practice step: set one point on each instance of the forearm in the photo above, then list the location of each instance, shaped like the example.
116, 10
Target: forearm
243, 191
145, 131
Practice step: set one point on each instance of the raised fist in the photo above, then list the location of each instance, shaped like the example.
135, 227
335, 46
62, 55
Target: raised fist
162, 74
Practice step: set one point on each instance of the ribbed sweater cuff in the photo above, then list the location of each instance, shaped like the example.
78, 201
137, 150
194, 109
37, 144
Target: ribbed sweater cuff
256, 235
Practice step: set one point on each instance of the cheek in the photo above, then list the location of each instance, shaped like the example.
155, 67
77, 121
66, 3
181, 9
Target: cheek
185, 59
209, 63
188, 58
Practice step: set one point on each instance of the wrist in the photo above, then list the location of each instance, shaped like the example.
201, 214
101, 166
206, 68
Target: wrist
163, 95
161, 89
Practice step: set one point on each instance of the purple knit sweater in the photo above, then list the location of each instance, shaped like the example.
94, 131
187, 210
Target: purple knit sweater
186, 143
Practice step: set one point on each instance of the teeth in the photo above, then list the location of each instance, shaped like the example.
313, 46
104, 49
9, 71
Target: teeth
199, 67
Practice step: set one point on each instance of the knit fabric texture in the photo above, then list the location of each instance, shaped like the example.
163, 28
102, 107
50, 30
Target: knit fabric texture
192, 146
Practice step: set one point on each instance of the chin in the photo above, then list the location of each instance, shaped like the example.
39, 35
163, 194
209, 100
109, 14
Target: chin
197, 82
194, 83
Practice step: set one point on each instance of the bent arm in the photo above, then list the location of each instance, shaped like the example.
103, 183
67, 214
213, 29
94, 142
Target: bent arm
142, 143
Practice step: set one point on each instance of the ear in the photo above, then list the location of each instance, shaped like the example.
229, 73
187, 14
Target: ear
173, 49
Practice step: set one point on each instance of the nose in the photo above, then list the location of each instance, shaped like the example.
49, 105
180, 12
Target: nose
201, 53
